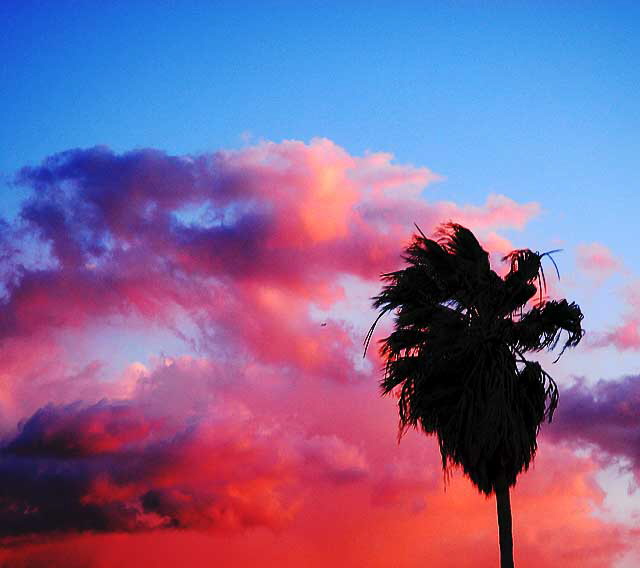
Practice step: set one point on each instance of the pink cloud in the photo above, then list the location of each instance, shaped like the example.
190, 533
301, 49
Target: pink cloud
234, 450
597, 261
291, 215
625, 335
242, 243
275, 433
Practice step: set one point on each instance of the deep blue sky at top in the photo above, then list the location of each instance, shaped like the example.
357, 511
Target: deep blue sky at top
539, 101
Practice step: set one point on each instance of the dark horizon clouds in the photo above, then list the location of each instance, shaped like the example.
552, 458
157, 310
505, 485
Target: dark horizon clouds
123, 466
243, 254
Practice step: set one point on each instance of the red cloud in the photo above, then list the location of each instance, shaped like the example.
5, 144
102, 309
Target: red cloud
158, 460
338, 526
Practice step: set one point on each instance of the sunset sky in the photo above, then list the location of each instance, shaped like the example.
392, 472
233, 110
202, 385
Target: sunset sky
198, 199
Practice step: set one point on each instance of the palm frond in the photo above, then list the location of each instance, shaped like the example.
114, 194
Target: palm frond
542, 326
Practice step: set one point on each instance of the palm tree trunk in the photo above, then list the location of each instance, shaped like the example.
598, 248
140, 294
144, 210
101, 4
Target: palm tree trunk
504, 525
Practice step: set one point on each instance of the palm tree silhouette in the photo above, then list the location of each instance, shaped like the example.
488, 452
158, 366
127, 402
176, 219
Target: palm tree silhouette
456, 360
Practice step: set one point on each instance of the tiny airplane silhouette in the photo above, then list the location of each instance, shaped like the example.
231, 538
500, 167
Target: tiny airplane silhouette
323, 324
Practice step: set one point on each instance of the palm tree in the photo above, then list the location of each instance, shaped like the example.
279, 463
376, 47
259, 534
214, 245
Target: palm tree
455, 358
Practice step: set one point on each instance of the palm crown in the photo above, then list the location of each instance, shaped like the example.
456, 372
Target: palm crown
456, 355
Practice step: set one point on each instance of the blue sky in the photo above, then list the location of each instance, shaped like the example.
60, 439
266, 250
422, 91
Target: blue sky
537, 101
534, 100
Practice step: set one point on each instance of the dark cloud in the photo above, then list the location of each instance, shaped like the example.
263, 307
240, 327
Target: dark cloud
605, 416
156, 462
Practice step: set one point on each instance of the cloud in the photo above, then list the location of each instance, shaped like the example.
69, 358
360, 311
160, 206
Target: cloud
604, 417
270, 438
626, 335
552, 514
405, 483
203, 462
231, 250
597, 261
144, 231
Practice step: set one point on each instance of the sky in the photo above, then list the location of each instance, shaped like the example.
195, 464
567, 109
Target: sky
198, 199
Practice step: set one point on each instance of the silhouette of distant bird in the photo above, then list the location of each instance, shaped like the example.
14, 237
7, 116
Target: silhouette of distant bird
323, 324
456, 357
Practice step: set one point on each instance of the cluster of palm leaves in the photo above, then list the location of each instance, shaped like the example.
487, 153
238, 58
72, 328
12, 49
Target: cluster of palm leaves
456, 360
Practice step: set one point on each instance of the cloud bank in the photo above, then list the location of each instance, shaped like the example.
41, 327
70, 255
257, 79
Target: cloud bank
261, 262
